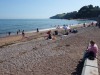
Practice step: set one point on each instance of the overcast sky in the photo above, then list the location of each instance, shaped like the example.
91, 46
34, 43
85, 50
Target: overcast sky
38, 9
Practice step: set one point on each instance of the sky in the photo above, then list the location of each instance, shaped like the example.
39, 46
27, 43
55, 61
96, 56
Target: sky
40, 9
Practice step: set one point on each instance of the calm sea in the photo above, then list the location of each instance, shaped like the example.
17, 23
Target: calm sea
13, 25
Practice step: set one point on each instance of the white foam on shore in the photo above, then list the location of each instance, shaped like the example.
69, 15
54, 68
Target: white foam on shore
42, 30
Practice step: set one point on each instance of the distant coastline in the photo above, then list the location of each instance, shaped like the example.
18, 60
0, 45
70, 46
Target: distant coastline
89, 12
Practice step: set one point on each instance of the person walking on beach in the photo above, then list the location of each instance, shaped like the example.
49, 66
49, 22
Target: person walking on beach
91, 51
84, 25
92, 24
23, 34
17, 32
9, 33
37, 30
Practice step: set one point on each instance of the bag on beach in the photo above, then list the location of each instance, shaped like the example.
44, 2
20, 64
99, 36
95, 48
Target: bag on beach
91, 55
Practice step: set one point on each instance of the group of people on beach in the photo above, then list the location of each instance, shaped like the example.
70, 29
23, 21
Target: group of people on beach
91, 24
18, 32
92, 49
65, 30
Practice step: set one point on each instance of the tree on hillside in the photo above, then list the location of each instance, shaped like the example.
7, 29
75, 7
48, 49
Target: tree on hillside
84, 12
70, 15
88, 12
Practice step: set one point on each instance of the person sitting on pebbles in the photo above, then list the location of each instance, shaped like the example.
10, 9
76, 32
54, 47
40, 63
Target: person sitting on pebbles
49, 35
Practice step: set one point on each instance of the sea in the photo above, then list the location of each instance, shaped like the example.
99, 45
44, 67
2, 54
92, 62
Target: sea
29, 25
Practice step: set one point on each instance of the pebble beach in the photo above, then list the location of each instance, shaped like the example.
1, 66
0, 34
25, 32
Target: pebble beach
38, 56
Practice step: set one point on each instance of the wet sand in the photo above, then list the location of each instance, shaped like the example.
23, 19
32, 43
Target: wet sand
48, 57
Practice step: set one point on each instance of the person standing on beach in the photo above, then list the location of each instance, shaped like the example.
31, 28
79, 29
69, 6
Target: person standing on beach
37, 30
84, 25
17, 32
65, 27
23, 34
98, 24
9, 33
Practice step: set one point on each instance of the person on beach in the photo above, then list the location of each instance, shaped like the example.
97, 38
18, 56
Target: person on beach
49, 35
65, 28
56, 32
68, 28
84, 25
92, 24
91, 51
37, 30
58, 27
17, 32
74, 31
49, 32
23, 34
9, 33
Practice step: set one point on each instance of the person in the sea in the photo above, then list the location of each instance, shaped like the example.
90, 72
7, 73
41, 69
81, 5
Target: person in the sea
91, 51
